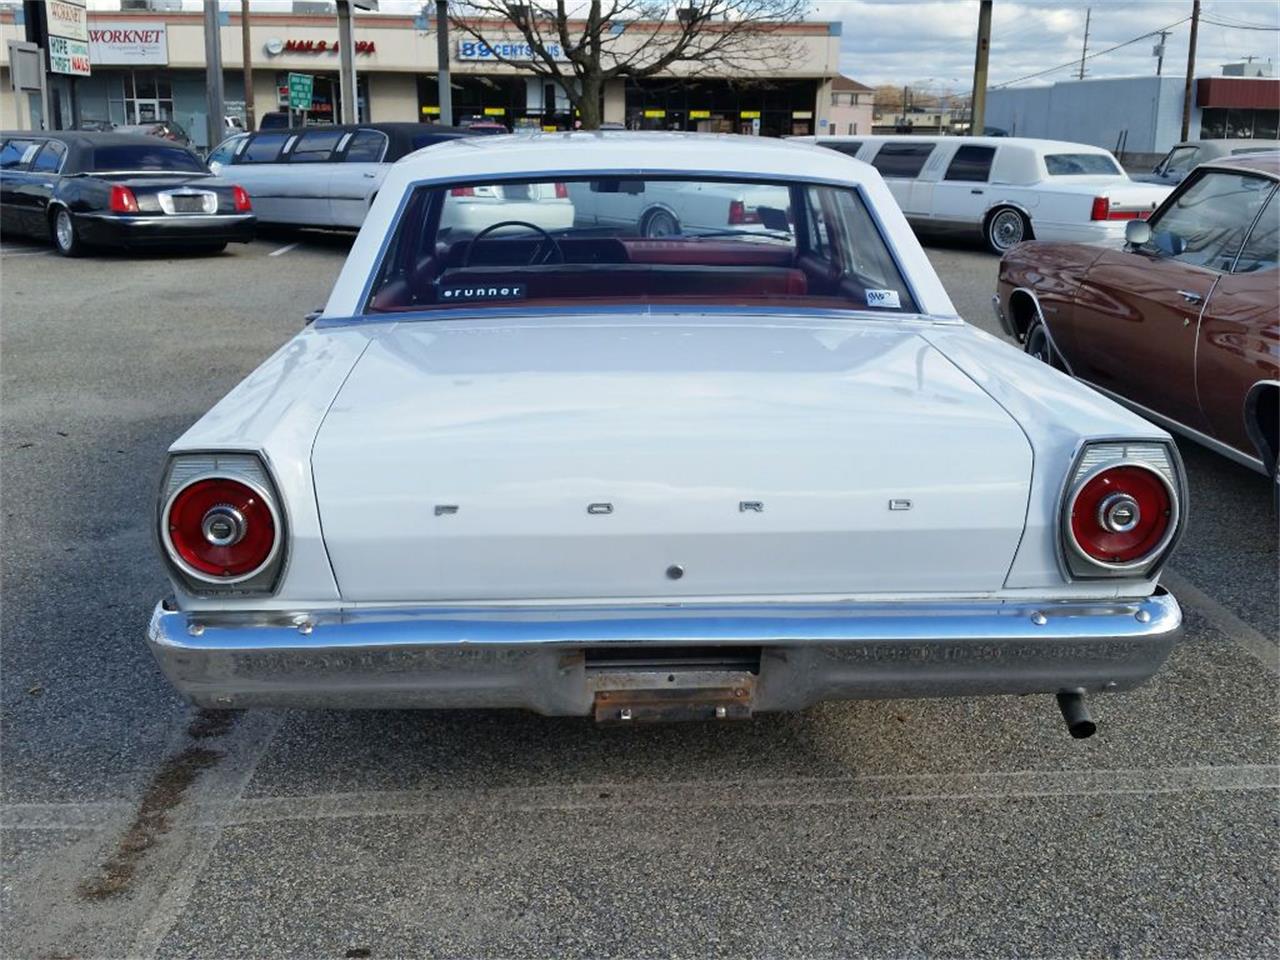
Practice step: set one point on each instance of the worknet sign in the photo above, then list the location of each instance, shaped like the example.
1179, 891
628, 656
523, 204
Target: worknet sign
129, 43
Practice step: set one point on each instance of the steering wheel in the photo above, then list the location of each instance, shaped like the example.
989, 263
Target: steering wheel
533, 258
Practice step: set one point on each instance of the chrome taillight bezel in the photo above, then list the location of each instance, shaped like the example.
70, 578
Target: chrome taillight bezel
1129, 452
185, 469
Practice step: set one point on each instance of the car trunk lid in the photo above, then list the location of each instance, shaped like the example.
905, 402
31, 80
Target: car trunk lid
664, 457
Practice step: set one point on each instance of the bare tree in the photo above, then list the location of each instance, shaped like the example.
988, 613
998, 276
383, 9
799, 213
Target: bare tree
583, 45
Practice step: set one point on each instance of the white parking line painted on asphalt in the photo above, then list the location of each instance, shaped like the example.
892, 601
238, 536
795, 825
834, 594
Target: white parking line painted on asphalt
282, 250
1231, 626
6, 254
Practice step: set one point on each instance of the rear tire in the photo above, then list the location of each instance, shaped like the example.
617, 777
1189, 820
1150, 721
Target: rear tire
660, 224
1039, 345
64, 234
1005, 229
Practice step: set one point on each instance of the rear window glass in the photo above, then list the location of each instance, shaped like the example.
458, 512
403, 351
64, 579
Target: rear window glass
902, 159
971, 164
264, 148
158, 156
367, 146
637, 241
1079, 164
317, 146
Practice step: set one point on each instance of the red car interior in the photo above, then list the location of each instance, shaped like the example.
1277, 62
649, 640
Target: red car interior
719, 270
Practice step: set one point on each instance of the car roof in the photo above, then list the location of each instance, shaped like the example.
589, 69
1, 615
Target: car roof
87, 138
400, 135
631, 152
986, 141
1266, 163
399, 126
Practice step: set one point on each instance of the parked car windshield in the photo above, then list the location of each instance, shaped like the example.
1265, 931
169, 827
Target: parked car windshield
145, 157
632, 241
1079, 164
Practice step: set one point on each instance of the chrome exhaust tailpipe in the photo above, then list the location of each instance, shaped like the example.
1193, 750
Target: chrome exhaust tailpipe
1076, 713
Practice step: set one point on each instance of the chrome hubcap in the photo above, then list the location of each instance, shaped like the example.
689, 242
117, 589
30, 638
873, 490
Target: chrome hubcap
1006, 229
1038, 346
661, 225
62, 227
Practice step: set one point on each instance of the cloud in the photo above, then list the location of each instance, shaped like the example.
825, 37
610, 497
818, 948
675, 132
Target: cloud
902, 41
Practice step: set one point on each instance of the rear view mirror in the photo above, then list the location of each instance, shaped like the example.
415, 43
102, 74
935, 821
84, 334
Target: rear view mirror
1137, 233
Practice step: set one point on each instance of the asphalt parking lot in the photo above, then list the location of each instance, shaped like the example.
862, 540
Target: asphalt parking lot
134, 826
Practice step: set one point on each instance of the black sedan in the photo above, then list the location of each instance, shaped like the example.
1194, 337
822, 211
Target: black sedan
82, 189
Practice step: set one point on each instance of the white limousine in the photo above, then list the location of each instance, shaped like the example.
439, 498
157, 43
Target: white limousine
1006, 189
583, 470
327, 176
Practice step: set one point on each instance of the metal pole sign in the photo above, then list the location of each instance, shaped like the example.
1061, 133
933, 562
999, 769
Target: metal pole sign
68, 27
300, 86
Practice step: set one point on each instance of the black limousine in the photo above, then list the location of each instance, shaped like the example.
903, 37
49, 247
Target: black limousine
83, 189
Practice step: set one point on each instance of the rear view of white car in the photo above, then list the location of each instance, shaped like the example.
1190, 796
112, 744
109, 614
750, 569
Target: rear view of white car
489, 207
656, 209
1006, 189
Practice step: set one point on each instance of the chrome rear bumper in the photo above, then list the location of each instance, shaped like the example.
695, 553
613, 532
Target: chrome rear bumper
540, 658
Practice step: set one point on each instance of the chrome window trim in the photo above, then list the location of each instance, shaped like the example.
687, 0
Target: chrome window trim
413, 186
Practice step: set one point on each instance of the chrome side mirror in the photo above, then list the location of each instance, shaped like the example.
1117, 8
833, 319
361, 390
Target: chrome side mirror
1137, 232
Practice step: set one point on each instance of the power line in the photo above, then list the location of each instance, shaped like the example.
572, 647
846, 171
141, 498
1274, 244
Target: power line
1239, 26
1080, 60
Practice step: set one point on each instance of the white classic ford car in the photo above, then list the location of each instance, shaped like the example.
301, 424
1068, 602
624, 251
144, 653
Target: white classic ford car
587, 471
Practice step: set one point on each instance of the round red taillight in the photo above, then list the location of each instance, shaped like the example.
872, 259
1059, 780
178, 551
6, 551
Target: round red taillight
220, 528
1122, 514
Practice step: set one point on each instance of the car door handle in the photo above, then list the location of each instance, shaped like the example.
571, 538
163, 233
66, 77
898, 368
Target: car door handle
1190, 296
975, 191
369, 176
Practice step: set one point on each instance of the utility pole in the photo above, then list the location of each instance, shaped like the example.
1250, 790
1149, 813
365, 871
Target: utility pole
978, 112
246, 53
442, 62
1164, 34
1191, 69
347, 90
215, 102
1084, 51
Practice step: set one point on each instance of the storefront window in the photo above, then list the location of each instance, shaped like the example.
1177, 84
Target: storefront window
326, 99
771, 108
1219, 122
140, 96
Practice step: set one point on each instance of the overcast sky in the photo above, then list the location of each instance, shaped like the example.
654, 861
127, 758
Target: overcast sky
932, 43
901, 41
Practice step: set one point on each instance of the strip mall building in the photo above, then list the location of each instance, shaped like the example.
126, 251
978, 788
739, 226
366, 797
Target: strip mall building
152, 65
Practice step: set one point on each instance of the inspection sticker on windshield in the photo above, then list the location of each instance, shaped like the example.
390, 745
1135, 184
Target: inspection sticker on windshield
883, 298
505, 291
